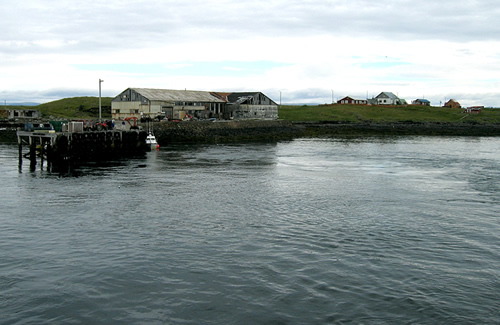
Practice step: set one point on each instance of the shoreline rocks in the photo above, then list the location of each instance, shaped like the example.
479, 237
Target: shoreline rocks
275, 130
398, 129
224, 131
246, 131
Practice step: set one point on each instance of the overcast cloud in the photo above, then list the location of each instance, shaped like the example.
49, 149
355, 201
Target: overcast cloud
306, 51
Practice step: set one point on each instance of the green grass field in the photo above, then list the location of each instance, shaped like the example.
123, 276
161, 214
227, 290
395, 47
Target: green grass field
88, 108
384, 114
77, 108
73, 108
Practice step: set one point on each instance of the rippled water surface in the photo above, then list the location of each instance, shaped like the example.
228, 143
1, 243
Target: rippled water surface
313, 231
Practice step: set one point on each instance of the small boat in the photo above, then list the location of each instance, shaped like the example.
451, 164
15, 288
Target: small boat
151, 141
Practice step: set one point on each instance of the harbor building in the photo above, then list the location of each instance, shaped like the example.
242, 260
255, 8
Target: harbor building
180, 104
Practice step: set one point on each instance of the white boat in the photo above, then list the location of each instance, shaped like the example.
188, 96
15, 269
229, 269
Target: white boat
151, 141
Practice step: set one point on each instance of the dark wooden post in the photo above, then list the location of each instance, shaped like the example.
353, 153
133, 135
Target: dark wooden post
49, 155
20, 143
42, 144
32, 153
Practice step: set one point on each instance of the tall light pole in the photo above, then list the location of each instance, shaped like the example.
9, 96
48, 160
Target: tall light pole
100, 80
332, 95
280, 97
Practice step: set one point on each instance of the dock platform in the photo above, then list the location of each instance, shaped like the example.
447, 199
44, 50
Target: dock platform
63, 148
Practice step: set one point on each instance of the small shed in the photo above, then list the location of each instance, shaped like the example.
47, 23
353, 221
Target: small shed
421, 101
26, 114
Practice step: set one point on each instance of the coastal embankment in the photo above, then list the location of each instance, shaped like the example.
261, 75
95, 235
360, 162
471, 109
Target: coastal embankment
275, 130
225, 131
332, 128
258, 130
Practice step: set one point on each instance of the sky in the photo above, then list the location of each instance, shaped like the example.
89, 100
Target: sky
300, 52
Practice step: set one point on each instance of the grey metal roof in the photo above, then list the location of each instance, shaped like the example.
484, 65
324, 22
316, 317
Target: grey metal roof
387, 94
177, 95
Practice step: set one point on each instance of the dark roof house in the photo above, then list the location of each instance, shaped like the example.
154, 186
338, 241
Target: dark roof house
248, 105
352, 101
419, 101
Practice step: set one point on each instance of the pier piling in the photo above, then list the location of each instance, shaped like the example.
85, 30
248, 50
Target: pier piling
62, 148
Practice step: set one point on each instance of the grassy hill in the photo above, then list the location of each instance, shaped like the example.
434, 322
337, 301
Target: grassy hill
386, 114
70, 108
76, 108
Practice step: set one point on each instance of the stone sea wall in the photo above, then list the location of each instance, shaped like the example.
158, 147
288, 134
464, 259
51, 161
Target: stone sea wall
395, 129
275, 130
258, 130
224, 131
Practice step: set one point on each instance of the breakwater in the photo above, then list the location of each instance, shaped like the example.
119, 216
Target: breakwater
267, 130
242, 131
224, 131
329, 128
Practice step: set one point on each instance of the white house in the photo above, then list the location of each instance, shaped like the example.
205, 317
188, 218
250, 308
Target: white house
388, 98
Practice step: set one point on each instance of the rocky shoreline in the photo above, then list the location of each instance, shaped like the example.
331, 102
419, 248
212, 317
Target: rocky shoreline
245, 131
275, 130
225, 131
397, 129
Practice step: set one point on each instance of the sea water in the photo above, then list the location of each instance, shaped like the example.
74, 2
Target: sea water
401, 230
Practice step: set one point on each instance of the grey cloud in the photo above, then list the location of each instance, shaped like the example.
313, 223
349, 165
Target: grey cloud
93, 26
47, 95
304, 96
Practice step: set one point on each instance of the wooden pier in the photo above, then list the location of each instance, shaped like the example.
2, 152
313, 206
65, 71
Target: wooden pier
65, 148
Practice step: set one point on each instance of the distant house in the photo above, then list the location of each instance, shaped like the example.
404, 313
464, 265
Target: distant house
474, 109
24, 114
423, 102
352, 101
388, 98
248, 105
452, 103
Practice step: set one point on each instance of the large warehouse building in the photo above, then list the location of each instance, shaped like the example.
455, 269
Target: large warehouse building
177, 104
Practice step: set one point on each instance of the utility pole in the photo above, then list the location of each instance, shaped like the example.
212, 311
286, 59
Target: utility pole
100, 80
